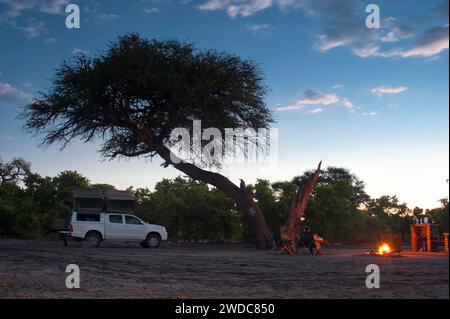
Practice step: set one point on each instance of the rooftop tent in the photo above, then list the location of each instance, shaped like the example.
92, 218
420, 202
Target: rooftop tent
119, 201
118, 195
87, 193
88, 199
95, 200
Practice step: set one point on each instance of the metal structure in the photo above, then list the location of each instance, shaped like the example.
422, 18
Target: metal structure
426, 238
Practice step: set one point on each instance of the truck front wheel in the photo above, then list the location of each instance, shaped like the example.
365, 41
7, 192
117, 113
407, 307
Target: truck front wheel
152, 240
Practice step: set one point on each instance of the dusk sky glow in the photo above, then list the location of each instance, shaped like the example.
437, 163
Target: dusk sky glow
375, 101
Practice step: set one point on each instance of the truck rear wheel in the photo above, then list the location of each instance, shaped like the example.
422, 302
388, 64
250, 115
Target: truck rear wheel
93, 239
152, 241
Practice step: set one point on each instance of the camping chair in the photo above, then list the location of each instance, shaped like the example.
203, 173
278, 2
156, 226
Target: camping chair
283, 245
287, 246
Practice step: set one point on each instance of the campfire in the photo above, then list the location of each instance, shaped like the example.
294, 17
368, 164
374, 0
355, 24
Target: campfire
384, 249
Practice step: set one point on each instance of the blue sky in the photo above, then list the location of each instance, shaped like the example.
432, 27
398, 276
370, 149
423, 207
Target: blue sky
375, 101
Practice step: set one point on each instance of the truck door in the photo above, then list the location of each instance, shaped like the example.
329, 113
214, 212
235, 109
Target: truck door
134, 228
115, 227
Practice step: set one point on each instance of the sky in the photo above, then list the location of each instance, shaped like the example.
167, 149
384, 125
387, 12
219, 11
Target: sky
371, 100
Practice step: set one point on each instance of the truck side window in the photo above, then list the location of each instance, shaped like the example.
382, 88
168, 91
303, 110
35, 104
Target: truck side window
115, 219
88, 217
132, 220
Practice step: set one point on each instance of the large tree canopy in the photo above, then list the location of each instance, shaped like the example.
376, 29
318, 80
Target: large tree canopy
150, 87
133, 95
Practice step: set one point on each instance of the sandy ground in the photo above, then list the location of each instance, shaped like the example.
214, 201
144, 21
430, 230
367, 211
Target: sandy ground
36, 269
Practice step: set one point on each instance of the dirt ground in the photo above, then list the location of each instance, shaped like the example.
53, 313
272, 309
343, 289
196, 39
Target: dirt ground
36, 269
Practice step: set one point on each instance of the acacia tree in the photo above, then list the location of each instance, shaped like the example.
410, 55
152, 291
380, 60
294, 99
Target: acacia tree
13, 171
138, 91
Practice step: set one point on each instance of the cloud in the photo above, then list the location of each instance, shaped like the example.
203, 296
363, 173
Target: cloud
13, 96
6, 138
440, 12
53, 6
349, 30
282, 107
98, 16
213, 5
315, 98
433, 41
310, 97
79, 51
292, 107
366, 50
151, 10
33, 29
346, 102
342, 23
259, 27
314, 111
15, 8
393, 30
342, 26
248, 9
325, 43
380, 90
370, 113
50, 40
234, 8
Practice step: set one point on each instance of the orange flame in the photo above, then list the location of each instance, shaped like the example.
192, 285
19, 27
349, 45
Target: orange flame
384, 249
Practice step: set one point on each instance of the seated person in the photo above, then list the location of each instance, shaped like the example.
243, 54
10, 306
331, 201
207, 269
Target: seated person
307, 240
424, 247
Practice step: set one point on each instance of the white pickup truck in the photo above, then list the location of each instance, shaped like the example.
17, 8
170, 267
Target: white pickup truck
97, 227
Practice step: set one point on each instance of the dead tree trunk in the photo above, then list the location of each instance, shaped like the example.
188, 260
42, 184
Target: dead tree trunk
288, 231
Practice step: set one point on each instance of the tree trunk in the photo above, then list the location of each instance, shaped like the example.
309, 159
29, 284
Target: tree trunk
254, 216
288, 231
239, 195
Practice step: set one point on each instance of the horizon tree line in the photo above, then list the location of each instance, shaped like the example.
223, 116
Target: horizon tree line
339, 208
